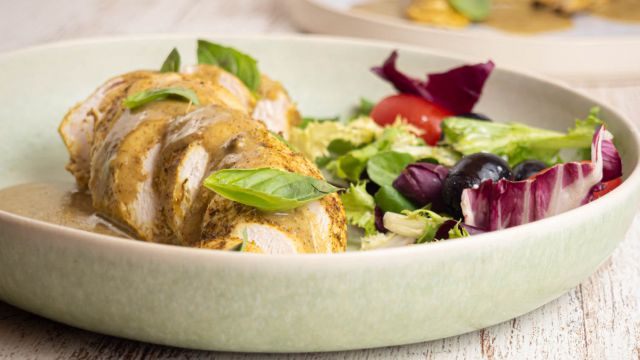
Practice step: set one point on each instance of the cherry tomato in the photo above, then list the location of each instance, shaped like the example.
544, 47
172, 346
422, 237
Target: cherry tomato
607, 186
417, 111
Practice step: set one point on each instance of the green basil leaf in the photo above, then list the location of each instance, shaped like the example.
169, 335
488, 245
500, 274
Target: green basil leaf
145, 97
384, 167
172, 62
239, 64
389, 199
268, 189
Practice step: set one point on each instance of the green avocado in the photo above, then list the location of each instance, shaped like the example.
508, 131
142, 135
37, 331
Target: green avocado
474, 10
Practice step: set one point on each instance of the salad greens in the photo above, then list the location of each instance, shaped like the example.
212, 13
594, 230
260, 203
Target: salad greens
359, 207
267, 189
390, 199
239, 64
145, 97
384, 167
518, 142
172, 62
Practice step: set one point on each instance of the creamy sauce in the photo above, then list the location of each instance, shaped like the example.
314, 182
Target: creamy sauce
519, 16
56, 203
622, 10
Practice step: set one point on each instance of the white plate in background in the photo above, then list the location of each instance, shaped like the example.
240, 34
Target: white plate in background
594, 49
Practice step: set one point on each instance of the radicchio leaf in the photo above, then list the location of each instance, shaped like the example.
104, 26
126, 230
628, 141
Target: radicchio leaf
611, 161
503, 204
379, 219
422, 184
456, 90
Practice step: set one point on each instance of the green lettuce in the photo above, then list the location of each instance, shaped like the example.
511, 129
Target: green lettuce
359, 207
351, 165
313, 140
518, 142
421, 224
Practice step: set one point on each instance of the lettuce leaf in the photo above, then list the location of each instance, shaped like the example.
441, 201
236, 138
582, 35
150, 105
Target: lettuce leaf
313, 140
359, 207
517, 142
351, 165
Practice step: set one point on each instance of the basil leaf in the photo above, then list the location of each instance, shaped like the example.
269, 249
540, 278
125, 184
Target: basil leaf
145, 97
384, 167
239, 64
266, 188
172, 62
389, 199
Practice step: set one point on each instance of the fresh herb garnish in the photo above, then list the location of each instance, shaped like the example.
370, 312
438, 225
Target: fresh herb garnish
172, 62
239, 64
268, 189
145, 97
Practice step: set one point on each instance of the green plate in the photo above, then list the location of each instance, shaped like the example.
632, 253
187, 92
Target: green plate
249, 302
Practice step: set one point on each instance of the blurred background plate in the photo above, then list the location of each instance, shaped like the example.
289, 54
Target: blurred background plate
593, 49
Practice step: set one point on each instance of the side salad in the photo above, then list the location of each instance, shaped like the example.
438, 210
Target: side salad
420, 166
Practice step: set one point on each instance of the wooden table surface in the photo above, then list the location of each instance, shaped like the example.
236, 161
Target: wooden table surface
598, 319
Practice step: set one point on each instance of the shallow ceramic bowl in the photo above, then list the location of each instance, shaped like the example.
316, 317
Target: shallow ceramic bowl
247, 302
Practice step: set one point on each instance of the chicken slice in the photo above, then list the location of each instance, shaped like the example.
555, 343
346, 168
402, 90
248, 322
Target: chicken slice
126, 152
275, 108
218, 75
76, 129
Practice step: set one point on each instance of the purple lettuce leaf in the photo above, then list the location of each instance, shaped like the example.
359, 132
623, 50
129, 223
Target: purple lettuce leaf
379, 220
456, 90
422, 184
612, 163
503, 204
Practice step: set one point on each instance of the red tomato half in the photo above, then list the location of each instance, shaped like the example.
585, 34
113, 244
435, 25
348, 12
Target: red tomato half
417, 111
607, 187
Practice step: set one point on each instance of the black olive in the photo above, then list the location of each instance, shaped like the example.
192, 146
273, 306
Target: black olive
476, 116
470, 171
525, 169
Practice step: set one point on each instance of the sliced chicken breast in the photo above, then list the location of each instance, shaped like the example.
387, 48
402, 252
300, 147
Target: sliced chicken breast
125, 159
145, 167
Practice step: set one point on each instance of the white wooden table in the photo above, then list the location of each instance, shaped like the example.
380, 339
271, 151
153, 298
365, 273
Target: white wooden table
598, 319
